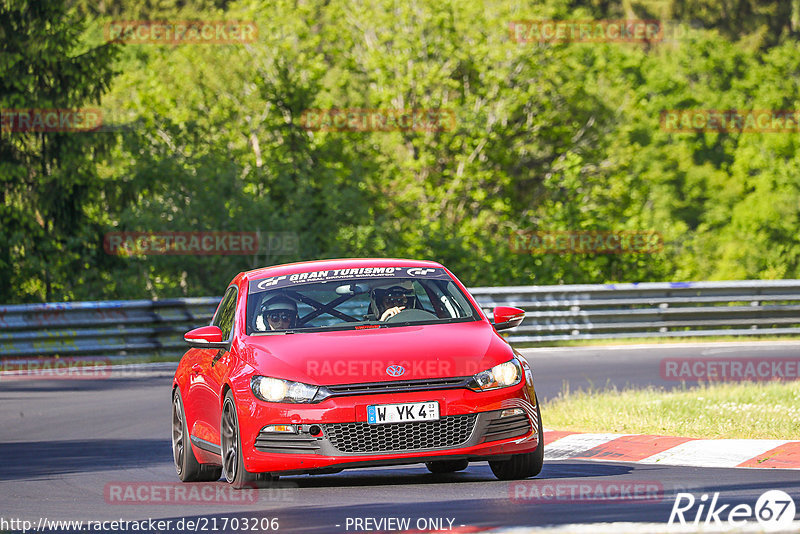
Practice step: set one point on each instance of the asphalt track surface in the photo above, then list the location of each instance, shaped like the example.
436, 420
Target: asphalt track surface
65, 443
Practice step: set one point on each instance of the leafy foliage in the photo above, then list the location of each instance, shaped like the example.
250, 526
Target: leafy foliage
546, 136
49, 179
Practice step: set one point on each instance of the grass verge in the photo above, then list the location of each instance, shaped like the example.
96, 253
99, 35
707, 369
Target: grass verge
747, 410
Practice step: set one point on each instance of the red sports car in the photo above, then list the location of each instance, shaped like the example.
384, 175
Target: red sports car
320, 366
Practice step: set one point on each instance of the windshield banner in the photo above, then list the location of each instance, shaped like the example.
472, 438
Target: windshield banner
356, 273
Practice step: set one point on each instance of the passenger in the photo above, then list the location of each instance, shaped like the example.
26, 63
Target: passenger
279, 313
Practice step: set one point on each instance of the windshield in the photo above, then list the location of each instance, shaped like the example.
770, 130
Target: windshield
355, 299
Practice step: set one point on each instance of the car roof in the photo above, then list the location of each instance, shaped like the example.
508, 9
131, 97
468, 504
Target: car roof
342, 263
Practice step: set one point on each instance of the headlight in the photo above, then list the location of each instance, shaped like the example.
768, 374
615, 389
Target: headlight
500, 376
277, 390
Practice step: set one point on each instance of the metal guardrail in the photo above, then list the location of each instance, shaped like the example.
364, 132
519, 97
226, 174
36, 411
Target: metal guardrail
553, 313
658, 309
106, 328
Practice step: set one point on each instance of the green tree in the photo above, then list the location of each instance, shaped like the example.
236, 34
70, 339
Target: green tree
48, 180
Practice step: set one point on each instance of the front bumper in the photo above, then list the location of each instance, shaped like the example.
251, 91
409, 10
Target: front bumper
334, 435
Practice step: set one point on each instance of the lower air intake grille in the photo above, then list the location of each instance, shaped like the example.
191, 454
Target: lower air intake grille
507, 427
286, 443
450, 431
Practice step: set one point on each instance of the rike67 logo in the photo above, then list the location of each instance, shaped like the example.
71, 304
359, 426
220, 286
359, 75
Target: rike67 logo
774, 510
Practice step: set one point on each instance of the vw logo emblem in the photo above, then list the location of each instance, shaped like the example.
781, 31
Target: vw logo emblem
395, 370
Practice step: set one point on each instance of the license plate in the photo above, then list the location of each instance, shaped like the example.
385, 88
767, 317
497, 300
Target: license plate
379, 414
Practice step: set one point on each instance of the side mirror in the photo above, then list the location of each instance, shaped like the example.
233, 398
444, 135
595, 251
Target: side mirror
205, 337
507, 317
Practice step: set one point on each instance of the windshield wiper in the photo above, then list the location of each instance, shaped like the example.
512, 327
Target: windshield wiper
273, 333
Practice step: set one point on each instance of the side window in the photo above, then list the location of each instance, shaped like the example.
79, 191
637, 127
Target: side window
422, 297
456, 303
226, 313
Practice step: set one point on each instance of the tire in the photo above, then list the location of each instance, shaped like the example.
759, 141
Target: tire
186, 465
231, 442
441, 467
524, 465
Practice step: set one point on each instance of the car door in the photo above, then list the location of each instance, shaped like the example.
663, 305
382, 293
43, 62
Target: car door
208, 373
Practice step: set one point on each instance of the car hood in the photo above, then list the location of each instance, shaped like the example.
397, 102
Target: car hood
358, 356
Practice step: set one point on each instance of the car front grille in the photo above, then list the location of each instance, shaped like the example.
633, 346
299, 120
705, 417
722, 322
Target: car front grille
397, 386
450, 431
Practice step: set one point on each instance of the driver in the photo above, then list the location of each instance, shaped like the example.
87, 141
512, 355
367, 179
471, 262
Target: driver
389, 302
279, 313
